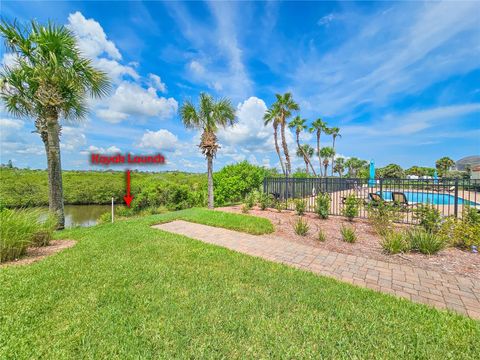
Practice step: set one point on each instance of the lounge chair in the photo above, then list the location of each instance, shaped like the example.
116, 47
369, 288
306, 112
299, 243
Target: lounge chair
399, 198
375, 199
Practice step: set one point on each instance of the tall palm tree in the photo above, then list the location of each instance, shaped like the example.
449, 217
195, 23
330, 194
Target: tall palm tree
208, 117
306, 152
272, 116
339, 166
326, 153
318, 126
299, 125
444, 164
335, 132
49, 81
284, 106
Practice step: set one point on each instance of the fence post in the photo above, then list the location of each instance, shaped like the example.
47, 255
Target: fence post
265, 185
455, 208
381, 188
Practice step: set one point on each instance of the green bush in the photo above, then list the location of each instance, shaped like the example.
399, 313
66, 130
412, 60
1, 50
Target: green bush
246, 208
321, 236
381, 216
463, 232
301, 227
18, 229
278, 205
425, 242
351, 207
300, 206
264, 201
234, 182
322, 205
348, 234
428, 217
105, 217
251, 199
44, 232
395, 242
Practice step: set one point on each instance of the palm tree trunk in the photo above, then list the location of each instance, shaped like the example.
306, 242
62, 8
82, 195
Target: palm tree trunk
318, 153
333, 156
277, 148
306, 165
285, 149
55, 188
210, 181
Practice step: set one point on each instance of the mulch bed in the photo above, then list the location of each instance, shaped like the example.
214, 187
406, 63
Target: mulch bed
451, 260
35, 254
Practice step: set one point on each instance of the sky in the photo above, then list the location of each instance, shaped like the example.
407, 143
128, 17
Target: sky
400, 79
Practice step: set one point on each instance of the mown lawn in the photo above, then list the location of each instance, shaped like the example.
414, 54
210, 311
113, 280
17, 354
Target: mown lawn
130, 291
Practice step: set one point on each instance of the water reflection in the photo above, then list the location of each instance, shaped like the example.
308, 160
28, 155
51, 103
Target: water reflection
84, 215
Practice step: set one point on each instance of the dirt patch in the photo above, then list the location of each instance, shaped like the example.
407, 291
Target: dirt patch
35, 254
452, 261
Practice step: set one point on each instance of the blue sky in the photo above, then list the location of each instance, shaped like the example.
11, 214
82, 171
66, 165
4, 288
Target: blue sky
400, 79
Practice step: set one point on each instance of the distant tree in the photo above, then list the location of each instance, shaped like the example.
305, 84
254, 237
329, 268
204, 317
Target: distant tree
420, 171
283, 107
339, 167
306, 152
208, 117
391, 171
273, 115
326, 153
50, 80
335, 132
444, 164
10, 164
354, 165
318, 126
299, 125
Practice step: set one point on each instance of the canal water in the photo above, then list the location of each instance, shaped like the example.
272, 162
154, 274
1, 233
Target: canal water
84, 215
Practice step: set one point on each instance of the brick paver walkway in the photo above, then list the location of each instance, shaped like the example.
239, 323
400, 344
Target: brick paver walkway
429, 287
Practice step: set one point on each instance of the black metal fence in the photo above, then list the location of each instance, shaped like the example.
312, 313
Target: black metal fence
449, 196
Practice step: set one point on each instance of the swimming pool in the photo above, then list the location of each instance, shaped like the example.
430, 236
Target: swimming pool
431, 198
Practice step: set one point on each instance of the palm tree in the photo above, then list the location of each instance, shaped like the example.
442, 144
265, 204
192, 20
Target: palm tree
272, 116
299, 125
284, 107
335, 132
49, 81
318, 126
306, 152
339, 166
444, 164
326, 153
208, 117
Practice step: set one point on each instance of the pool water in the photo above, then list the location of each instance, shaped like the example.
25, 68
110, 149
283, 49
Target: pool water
431, 198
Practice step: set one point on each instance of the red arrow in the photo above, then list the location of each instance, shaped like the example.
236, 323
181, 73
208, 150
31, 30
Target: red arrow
128, 198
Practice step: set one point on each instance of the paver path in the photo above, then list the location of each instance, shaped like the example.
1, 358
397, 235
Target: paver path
429, 287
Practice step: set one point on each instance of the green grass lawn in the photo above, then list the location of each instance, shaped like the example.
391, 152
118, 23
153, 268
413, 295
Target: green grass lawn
130, 291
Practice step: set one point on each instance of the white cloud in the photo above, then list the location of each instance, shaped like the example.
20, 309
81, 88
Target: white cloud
196, 67
373, 65
161, 140
413, 123
156, 82
95, 149
92, 40
130, 99
327, 19
249, 131
72, 138
115, 70
220, 55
